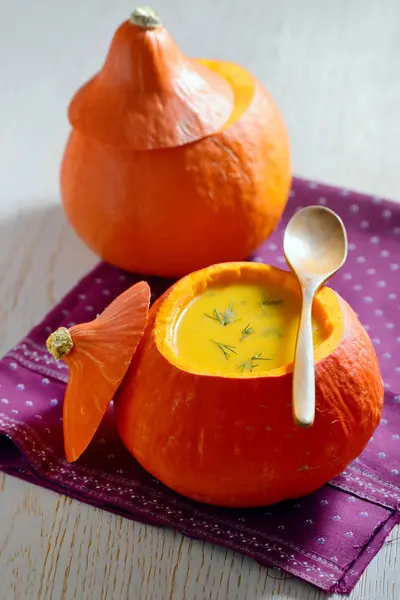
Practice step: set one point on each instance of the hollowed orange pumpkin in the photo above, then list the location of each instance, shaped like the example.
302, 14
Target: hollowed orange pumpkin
172, 164
229, 439
224, 436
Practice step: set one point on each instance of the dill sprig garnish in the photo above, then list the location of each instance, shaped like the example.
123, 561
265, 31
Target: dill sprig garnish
226, 349
271, 301
250, 365
223, 317
246, 365
246, 331
259, 357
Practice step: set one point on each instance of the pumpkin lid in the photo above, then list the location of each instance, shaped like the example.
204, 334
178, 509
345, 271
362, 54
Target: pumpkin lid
98, 355
148, 95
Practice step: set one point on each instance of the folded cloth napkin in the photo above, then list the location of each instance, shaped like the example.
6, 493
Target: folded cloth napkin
327, 538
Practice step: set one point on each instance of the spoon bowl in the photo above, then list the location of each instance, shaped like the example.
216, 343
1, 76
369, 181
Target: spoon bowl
315, 247
315, 242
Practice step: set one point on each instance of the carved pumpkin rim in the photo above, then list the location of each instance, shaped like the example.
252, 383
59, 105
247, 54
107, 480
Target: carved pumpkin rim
326, 306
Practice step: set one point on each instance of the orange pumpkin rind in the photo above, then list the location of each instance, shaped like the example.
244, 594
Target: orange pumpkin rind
148, 95
98, 355
176, 150
231, 440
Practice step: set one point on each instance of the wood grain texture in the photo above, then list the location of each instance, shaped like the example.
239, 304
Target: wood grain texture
332, 69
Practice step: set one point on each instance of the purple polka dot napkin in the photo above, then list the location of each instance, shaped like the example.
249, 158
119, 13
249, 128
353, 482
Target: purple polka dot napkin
327, 538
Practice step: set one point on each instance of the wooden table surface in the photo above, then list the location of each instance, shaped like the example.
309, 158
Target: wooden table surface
333, 68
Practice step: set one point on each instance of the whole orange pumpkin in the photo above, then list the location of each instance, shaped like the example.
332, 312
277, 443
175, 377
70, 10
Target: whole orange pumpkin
172, 164
231, 441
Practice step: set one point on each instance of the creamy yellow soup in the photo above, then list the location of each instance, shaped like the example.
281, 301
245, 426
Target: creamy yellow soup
240, 328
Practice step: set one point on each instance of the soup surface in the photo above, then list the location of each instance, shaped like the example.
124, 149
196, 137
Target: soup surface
240, 328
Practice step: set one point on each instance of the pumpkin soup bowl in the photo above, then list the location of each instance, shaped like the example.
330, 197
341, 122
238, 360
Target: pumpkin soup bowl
166, 151
213, 420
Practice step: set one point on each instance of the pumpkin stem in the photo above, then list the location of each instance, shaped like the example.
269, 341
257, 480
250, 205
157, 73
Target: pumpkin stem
145, 17
59, 343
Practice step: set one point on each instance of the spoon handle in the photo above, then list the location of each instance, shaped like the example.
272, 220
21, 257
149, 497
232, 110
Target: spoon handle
303, 372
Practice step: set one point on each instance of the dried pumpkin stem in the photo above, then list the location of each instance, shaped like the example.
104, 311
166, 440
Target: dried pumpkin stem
145, 17
59, 343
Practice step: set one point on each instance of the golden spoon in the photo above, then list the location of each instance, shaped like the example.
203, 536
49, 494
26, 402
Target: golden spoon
315, 247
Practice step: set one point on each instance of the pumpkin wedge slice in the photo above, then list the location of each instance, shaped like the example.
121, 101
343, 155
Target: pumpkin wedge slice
98, 355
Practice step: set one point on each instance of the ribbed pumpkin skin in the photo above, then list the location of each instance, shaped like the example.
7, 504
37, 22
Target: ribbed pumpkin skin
232, 442
171, 211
